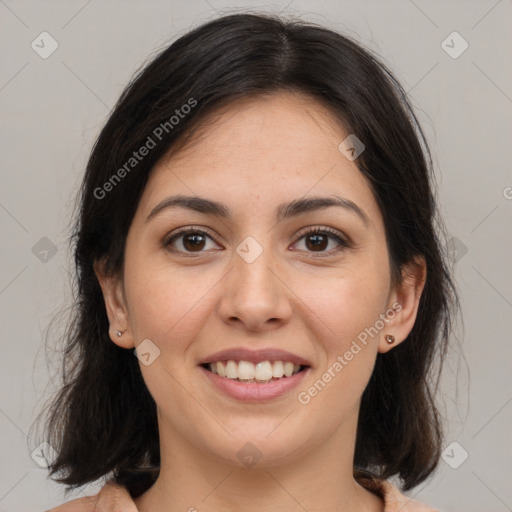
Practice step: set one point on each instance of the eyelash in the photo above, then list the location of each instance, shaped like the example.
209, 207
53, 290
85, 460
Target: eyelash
323, 230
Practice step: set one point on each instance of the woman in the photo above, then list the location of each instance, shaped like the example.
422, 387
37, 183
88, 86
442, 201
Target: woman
257, 226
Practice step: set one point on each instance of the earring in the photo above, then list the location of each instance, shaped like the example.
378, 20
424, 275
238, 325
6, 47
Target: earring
390, 338
120, 333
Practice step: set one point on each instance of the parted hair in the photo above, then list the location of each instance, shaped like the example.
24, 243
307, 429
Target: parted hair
102, 422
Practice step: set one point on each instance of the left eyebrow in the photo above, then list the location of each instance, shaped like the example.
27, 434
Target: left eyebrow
308, 204
284, 211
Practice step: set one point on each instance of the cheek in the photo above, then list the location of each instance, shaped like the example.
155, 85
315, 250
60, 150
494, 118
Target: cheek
166, 305
348, 304
345, 313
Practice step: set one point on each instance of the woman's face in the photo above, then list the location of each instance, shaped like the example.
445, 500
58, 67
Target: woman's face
253, 275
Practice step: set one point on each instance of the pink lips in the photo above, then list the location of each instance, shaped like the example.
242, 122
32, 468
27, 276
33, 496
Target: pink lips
253, 391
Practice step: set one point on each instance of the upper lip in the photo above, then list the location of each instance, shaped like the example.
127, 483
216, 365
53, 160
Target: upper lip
255, 356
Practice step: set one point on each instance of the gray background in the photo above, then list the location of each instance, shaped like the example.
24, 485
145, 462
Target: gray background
53, 108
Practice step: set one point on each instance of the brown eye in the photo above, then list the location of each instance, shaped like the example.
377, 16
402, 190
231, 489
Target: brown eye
322, 240
317, 242
194, 242
189, 241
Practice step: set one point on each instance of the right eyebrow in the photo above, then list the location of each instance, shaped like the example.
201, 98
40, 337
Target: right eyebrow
195, 203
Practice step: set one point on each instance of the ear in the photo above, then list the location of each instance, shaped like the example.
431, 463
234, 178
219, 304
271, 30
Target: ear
115, 302
403, 304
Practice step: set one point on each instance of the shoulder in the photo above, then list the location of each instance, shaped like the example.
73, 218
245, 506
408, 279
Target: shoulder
114, 498
396, 502
111, 498
87, 504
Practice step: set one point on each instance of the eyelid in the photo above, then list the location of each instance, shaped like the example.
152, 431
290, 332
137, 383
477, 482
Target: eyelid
168, 239
341, 238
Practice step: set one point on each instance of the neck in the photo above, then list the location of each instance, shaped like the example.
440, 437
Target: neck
317, 479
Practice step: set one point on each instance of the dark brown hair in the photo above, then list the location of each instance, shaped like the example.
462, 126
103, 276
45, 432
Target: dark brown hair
103, 421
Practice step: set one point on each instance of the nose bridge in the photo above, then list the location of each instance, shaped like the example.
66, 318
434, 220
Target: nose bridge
252, 263
253, 293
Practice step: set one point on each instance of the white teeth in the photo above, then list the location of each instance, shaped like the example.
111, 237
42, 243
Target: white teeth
277, 370
263, 371
231, 370
246, 371
288, 369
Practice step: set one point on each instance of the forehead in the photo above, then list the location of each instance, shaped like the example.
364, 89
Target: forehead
274, 147
280, 121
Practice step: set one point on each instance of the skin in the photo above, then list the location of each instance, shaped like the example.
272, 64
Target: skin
257, 154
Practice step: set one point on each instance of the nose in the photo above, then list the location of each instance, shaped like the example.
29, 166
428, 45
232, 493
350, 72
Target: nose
255, 296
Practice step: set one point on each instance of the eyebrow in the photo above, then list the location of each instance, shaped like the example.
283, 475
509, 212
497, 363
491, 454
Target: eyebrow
284, 211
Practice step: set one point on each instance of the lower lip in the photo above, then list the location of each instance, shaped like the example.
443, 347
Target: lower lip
253, 391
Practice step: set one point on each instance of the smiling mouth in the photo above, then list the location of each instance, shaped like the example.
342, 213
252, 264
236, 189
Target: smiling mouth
262, 372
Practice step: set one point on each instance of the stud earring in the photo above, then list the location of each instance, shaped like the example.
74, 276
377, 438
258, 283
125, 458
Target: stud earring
120, 333
390, 338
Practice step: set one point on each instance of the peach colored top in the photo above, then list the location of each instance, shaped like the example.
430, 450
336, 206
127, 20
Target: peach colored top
114, 498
